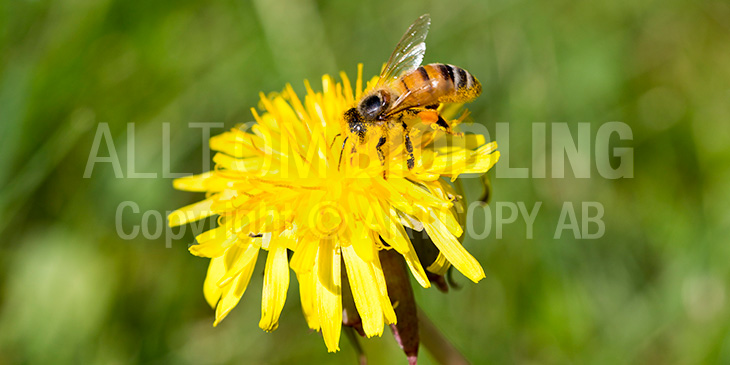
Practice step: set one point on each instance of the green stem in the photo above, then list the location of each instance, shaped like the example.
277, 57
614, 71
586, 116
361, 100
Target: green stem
362, 359
436, 343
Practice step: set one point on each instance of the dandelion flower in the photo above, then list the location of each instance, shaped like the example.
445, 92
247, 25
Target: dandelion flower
278, 186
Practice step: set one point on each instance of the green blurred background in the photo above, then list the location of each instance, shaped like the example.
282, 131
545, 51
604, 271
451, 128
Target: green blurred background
653, 289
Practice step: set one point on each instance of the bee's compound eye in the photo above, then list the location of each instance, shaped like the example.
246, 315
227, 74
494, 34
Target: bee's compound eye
371, 106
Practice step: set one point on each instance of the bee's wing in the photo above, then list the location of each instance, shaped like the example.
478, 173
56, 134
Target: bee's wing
420, 96
409, 52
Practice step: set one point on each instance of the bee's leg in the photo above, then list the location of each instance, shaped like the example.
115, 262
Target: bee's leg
431, 116
443, 125
342, 151
335, 139
409, 146
352, 153
379, 147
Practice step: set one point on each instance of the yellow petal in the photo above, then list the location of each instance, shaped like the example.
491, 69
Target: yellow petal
440, 265
213, 234
305, 254
364, 290
233, 292
453, 250
211, 290
394, 233
214, 247
447, 217
192, 183
472, 141
346, 86
190, 213
418, 194
297, 104
482, 164
362, 242
250, 165
385, 304
369, 212
486, 149
397, 238
394, 198
308, 297
237, 258
358, 82
236, 143
276, 283
414, 264
443, 191
410, 221
329, 295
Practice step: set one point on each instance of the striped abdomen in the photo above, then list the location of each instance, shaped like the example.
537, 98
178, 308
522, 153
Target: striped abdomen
438, 83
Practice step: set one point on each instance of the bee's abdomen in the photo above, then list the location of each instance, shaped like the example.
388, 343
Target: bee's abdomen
455, 84
437, 83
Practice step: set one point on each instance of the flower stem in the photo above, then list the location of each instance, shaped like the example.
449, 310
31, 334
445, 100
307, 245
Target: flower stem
436, 343
362, 359
401, 294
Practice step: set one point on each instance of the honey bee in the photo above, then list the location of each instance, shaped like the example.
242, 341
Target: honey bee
407, 89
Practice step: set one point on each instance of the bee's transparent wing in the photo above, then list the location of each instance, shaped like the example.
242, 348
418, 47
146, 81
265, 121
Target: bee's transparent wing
415, 97
409, 52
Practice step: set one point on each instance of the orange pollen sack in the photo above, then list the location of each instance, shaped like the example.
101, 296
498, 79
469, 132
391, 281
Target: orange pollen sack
429, 116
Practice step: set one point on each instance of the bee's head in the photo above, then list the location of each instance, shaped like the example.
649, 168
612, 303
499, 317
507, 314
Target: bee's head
355, 122
373, 105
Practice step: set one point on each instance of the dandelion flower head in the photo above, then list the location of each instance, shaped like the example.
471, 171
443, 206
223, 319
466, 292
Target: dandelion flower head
279, 186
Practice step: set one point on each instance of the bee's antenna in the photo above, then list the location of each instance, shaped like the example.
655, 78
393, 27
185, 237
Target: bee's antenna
342, 151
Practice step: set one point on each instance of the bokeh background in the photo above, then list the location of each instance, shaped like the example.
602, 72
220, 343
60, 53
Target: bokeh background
653, 289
